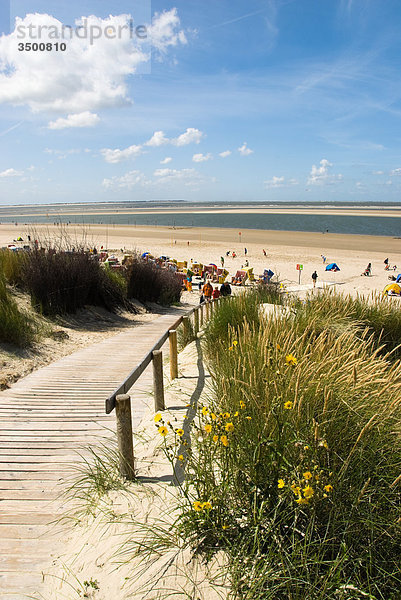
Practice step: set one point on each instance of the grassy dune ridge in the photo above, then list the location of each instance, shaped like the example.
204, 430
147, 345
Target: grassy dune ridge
295, 465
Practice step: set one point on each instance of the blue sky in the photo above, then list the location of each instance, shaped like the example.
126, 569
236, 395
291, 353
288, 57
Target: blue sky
266, 101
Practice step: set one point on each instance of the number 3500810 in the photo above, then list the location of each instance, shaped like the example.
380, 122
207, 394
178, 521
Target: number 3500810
42, 47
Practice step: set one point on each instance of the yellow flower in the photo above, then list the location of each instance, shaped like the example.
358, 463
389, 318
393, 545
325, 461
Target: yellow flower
213, 416
224, 526
278, 346
291, 360
308, 492
208, 428
205, 410
288, 405
229, 427
242, 404
306, 447
179, 432
180, 457
236, 413
226, 415
249, 418
158, 417
307, 475
296, 489
302, 500
231, 348
328, 488
198, 506
280, 483
235, 343
206, 506
215, 439
324, 444
224, 440
163, 430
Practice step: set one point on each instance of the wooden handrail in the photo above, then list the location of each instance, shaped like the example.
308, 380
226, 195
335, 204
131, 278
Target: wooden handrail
139, 369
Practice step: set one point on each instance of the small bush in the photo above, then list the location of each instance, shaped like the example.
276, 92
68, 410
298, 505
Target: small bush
147, 282
16, 327
63, 282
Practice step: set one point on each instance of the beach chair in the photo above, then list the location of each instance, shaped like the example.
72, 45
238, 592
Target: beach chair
239, 278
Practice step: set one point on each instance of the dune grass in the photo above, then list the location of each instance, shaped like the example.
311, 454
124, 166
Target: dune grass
63, 282
16, 326
295, 464
147, 282
379, 313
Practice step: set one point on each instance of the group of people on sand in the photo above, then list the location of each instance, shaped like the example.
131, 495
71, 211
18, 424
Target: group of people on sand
209, 293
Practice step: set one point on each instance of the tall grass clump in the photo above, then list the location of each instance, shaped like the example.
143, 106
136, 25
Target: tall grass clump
63, 282
377, 312
295, 464
147, 282
232, 312
16, 327
12, 265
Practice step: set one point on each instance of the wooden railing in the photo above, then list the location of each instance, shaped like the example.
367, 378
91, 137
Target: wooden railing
121, 401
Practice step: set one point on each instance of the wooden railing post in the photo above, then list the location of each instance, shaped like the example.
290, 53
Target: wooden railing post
196, 321
207, 310
124, 436
201, 314
158, 387
173, 354
185, 324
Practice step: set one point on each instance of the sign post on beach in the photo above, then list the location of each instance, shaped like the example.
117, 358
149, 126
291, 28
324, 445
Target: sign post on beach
299, 269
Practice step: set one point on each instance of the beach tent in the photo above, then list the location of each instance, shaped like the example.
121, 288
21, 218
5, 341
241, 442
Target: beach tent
398, 278
392, 289
332, 267
145, 254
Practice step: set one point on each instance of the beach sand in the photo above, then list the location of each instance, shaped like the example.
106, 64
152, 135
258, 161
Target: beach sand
285, 249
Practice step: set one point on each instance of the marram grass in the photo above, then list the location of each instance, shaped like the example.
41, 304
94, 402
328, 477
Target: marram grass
295, 464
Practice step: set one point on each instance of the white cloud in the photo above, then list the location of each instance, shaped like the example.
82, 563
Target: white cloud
84, 119
201, 157
166, 160
395, 172
90, 74
321, 175
157, 139
117, 155
164, 30
188, 177
162, 177
278, 182
129, 180
225, 153
11, 173
190, 136
378, 172
244, 150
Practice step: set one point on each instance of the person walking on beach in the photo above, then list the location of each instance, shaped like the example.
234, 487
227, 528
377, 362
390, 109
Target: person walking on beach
207, 291
225, 289
222, 260
386, 268
323, 259
264, 252
245, 251
216, 293
314, 278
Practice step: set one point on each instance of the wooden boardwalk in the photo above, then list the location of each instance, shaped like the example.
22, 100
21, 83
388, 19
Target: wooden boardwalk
44, 419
